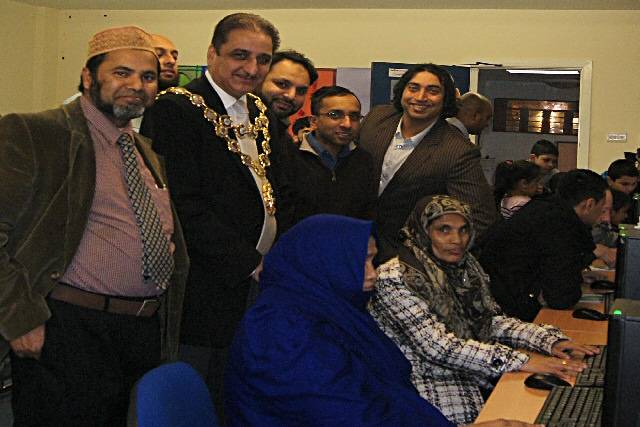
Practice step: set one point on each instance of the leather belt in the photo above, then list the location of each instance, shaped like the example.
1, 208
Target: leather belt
110, 304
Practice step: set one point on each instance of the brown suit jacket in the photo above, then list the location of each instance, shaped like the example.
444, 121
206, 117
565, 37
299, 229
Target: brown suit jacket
444, 162
47, 171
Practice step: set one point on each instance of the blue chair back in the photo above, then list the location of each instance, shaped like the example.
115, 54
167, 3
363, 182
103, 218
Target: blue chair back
172, 395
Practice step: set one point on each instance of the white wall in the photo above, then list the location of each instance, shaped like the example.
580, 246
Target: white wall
28, 36
355, 38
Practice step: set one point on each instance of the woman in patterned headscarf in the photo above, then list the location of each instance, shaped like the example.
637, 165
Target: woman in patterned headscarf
434, 302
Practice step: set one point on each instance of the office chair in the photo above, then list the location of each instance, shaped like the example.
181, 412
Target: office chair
171, 395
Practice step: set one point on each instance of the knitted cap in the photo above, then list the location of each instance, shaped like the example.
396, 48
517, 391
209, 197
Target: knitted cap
120, 38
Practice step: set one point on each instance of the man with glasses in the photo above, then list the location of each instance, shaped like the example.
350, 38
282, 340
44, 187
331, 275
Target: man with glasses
332, 175
417, 153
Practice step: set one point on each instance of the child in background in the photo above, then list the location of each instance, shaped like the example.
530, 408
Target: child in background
515, 183
622, 203
622, 175
545, 154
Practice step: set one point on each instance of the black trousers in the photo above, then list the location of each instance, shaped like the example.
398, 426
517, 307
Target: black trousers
89, 363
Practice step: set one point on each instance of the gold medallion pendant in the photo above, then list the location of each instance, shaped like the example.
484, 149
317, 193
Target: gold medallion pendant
223, 124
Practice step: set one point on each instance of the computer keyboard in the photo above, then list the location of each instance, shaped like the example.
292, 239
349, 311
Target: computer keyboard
593, 374
572, 406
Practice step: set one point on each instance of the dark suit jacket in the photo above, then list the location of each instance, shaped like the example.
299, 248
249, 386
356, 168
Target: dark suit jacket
444, 162
543, 248
47, 171
220, 208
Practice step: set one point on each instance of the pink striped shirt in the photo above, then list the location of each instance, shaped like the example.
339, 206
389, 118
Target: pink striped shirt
109, 258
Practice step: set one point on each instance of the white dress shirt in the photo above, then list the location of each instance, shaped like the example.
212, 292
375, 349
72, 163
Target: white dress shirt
239, 112
397, 153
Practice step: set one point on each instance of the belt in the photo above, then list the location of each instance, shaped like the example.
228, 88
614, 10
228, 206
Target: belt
110, 304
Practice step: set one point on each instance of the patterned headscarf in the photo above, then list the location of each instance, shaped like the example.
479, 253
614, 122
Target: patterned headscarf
458, 294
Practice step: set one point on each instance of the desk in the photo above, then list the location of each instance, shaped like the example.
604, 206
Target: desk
511, 399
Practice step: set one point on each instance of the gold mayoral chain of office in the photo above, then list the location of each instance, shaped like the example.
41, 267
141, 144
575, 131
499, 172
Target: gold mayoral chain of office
223, 124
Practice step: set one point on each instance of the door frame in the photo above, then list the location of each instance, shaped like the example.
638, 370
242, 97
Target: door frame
585, 67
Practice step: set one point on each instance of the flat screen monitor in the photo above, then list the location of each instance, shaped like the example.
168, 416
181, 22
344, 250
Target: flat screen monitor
621, 403
628, 263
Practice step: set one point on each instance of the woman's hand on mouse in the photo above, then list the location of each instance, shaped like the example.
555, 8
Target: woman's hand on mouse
567, 349
565, 369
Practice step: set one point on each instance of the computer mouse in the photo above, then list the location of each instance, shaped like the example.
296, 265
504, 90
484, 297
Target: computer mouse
544, 381
589, 314
603, 285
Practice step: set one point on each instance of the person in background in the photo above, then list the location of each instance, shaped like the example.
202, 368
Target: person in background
301, 127
514, 184
434, 302
92, 260
474, 114
307, 353
622, 175
168, 54
286, 85
538, 255
606, 233
622, 204
545, 154
552, 184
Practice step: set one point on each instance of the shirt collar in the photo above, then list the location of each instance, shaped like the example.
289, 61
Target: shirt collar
415, 139
101, 123
227, 99
319, 148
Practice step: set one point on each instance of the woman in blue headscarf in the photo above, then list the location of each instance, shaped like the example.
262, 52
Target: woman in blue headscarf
308, 353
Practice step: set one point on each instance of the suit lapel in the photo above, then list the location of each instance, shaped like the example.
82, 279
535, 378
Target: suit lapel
385, 138
202, 87
420, 156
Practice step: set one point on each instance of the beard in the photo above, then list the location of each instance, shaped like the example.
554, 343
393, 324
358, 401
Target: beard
166, 84
283, 114
120, 112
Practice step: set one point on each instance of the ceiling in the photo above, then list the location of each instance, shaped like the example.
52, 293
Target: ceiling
336, 4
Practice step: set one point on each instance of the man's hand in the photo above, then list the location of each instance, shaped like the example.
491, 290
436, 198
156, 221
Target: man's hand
30, 344
608, 255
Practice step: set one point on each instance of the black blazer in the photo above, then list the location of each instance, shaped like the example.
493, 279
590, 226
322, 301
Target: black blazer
444, 162
220, 209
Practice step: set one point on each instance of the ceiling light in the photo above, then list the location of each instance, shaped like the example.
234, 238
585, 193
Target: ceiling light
522, 71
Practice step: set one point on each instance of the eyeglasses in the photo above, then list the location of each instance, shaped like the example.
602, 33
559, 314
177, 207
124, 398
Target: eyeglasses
340, 115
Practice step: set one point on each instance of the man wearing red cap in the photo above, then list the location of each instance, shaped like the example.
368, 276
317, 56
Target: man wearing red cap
92, 261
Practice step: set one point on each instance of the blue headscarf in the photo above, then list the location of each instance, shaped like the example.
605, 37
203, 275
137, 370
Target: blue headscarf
308, 353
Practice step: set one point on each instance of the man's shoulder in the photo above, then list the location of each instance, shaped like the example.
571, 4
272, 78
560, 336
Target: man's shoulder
56, 117
197, 86
383, 112
452, 136
360, 155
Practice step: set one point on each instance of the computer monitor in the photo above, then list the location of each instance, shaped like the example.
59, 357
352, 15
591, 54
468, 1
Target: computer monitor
622, 379
628, 263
